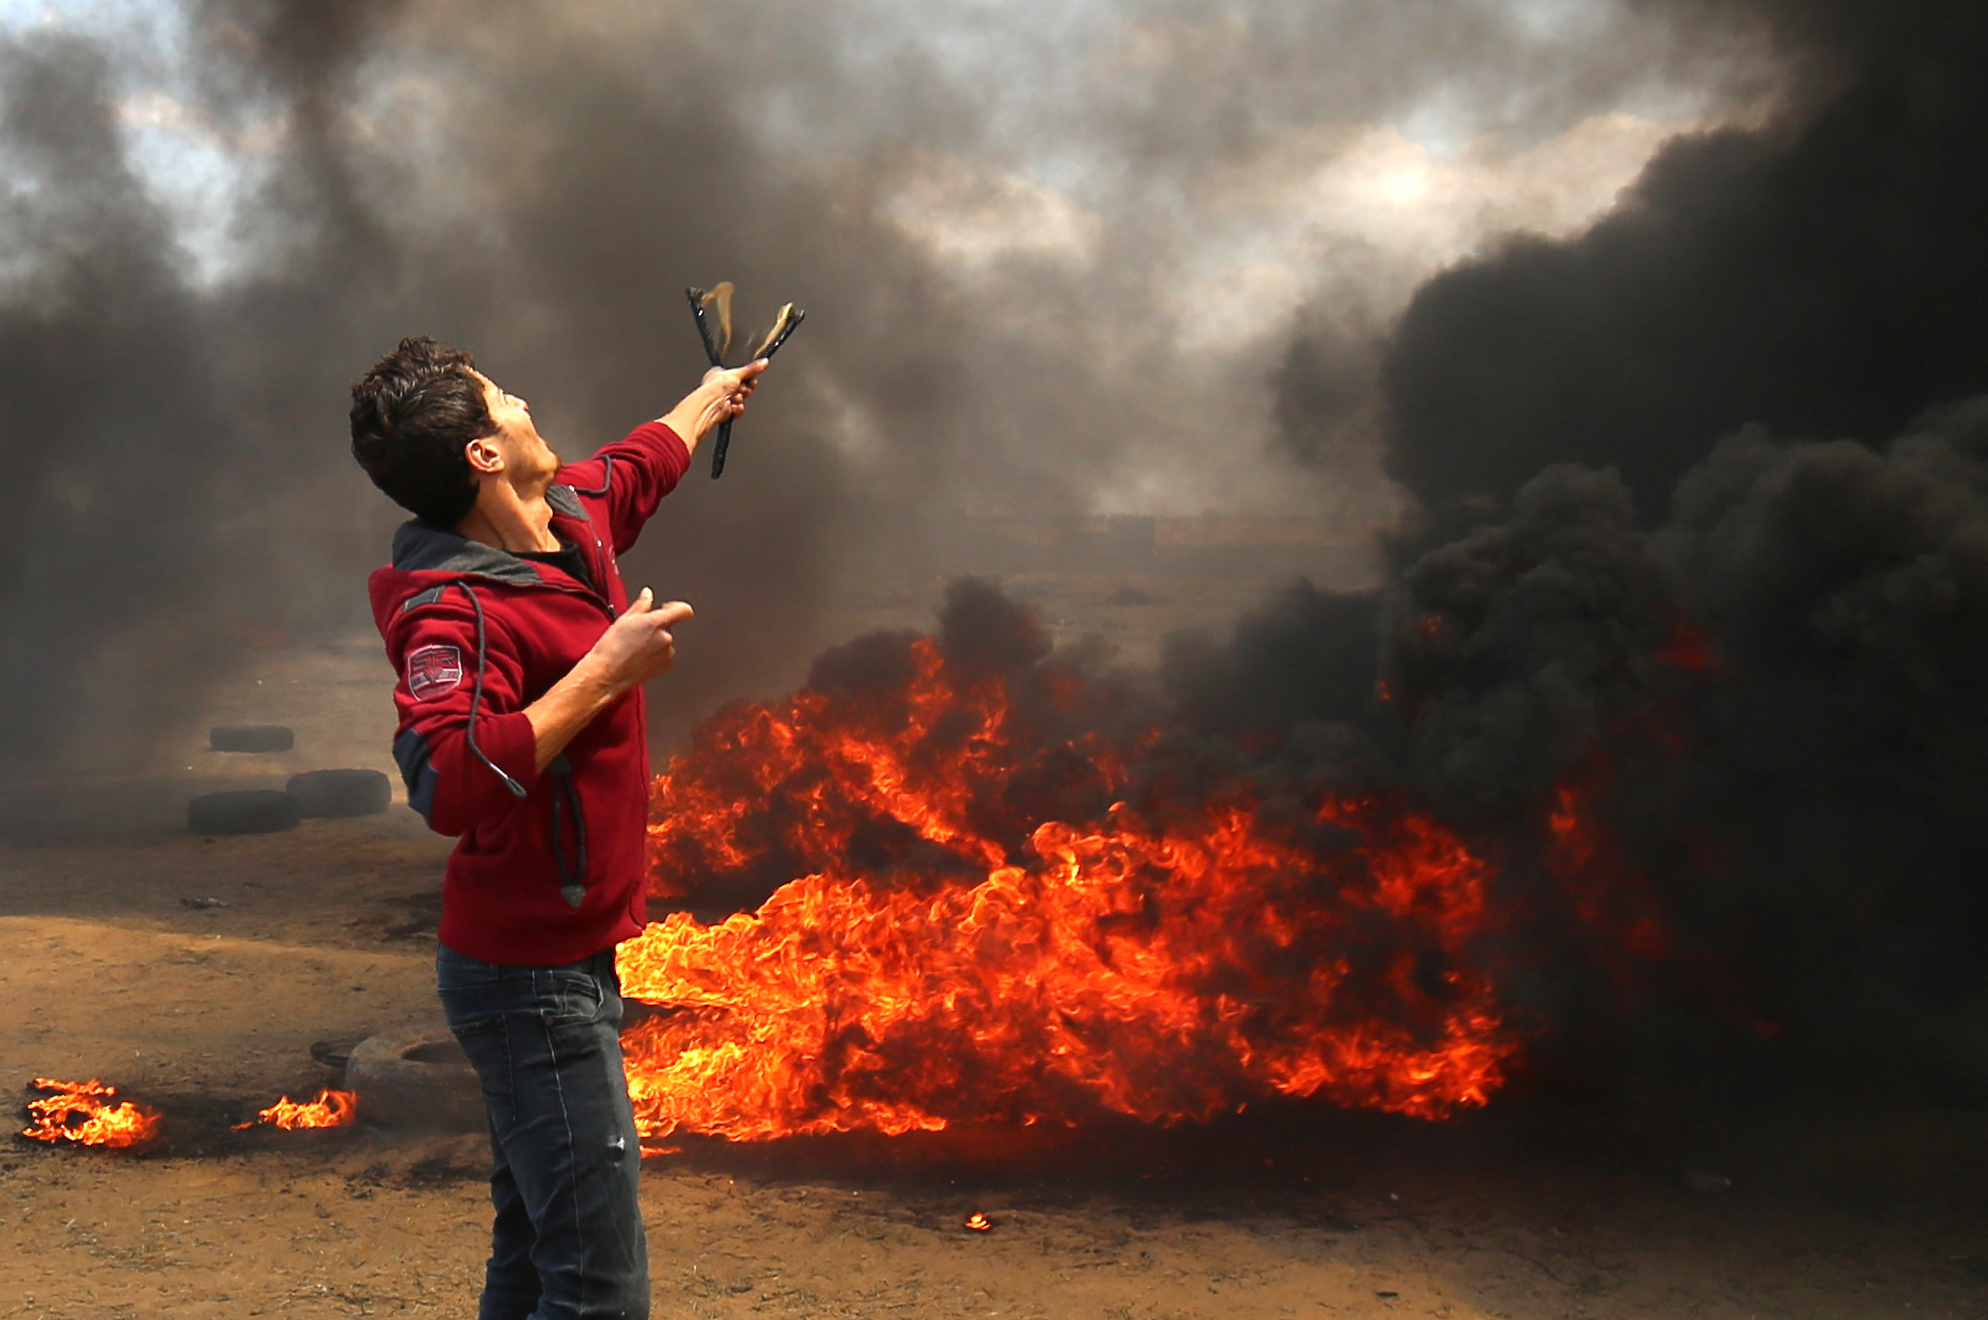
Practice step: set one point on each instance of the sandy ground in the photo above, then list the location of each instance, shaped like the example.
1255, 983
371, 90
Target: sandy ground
209, 1013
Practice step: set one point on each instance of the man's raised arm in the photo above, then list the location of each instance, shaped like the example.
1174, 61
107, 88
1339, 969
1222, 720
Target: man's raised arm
720, 397
635, 472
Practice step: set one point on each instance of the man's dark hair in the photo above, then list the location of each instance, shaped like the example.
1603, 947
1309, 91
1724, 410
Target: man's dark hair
412, 414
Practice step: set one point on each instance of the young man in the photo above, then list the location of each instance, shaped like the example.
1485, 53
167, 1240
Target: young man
520, 662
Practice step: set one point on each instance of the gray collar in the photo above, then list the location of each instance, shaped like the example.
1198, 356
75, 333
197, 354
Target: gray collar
421, 547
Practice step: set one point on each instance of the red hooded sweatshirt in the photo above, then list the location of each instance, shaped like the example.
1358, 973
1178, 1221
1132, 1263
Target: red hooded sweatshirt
549, 868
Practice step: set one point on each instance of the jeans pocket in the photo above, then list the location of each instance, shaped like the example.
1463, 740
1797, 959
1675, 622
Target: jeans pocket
486, 1040
571, 996
471, 1025
475, 1006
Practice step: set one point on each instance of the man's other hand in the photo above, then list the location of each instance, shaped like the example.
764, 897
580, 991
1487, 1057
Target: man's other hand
639, 646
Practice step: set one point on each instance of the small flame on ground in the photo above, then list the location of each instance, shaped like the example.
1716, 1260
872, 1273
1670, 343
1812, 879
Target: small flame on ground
332, 1109
978, 1223
88, 1114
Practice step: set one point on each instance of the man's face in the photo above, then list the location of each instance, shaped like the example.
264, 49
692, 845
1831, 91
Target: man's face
529, 462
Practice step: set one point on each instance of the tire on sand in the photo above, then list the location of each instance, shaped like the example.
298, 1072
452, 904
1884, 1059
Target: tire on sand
322, 793
250, 738
415, 1079
242, 811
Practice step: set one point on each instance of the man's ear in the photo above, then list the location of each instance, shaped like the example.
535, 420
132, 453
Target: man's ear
484, 458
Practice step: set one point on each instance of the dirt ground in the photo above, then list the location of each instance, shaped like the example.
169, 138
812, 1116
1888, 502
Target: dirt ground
326, 932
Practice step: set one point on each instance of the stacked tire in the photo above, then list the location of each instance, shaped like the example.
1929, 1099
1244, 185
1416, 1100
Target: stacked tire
337, 794
313, 795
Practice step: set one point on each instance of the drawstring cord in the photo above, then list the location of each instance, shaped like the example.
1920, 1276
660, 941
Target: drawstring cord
476, 696
573, 881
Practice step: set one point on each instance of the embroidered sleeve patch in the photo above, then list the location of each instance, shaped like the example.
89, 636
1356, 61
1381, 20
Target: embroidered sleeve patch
433, 670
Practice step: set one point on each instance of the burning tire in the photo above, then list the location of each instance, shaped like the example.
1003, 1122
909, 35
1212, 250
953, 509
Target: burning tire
242, 811
250, 738
415, 1079
337, 793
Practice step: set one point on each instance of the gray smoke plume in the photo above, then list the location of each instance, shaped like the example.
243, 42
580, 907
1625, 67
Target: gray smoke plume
150, 428
1027, 250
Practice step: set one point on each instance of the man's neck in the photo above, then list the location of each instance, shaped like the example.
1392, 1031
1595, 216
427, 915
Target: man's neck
509, 521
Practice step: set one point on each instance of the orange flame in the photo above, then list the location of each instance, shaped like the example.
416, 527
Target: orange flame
937, 958
332, 1109
843, 765
83, 1113
1129, 970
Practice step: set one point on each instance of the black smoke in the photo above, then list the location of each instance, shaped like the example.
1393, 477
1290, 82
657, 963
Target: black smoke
1703, 525
1771, 708
1821, 277
1843, 752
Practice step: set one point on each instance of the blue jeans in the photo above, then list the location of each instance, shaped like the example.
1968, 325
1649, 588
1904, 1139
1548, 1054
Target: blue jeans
568, 1241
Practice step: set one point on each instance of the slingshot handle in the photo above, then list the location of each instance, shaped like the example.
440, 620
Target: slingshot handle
718, 449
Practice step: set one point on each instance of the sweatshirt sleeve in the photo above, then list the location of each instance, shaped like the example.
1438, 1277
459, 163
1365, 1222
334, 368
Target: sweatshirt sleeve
435, 653
632, 475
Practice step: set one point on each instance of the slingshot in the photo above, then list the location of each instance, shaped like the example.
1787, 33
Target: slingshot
715, 347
